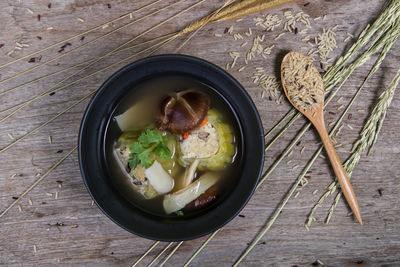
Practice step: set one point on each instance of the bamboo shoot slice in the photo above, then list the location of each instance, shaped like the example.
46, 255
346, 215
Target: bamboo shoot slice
179, 199
134, 117
189, 174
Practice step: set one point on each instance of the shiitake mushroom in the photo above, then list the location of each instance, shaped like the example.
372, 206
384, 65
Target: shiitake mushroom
204, 199
183, 111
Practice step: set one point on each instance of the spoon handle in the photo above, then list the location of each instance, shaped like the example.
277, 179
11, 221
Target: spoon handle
341, 175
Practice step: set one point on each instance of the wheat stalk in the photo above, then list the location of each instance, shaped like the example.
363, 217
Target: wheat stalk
341, 74
156, 47
337, 73
336, 80
69, 153
55, 89
87, 43
349, 168
368, 136
38, 181
19, 139
80, 34
145, 254
160, 254
172, 253
78, 65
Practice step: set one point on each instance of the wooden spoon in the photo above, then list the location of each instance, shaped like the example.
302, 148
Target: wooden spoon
304, 88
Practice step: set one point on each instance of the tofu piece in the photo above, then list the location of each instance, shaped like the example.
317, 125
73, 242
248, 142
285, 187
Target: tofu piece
201, 143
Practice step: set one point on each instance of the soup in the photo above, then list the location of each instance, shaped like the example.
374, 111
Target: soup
172, 146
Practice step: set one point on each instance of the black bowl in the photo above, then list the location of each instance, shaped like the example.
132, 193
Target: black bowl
92, 145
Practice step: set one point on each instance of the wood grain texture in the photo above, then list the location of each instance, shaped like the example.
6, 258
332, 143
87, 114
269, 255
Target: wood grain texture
97, 241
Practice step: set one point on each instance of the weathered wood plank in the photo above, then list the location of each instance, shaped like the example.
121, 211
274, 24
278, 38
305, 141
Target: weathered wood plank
97, 241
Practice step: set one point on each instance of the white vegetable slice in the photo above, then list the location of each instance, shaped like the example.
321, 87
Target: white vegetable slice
159, 178
134, 117
179, 199
189, 174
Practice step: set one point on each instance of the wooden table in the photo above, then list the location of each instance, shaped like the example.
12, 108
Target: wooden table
86, 237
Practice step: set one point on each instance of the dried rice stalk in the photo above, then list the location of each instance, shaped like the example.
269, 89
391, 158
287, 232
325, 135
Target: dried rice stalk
335, 74
350, 163
368, 136
256, 7
235, 11
235, 7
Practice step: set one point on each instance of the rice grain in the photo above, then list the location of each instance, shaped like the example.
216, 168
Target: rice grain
304, 87
10, 136
230, 30
279, 36
269, 22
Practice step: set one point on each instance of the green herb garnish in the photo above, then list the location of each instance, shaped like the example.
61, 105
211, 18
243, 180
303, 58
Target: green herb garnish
179, 213
148, 141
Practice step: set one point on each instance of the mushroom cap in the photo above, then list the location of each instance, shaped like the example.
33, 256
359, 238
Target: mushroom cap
183, 111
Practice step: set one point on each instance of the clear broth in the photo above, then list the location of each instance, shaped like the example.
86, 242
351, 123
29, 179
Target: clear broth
159, 88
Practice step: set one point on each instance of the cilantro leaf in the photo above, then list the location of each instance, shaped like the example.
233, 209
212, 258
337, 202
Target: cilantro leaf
163, 151
179, 213
133, 161
147, 142
150, 136
144, 158
136, 148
